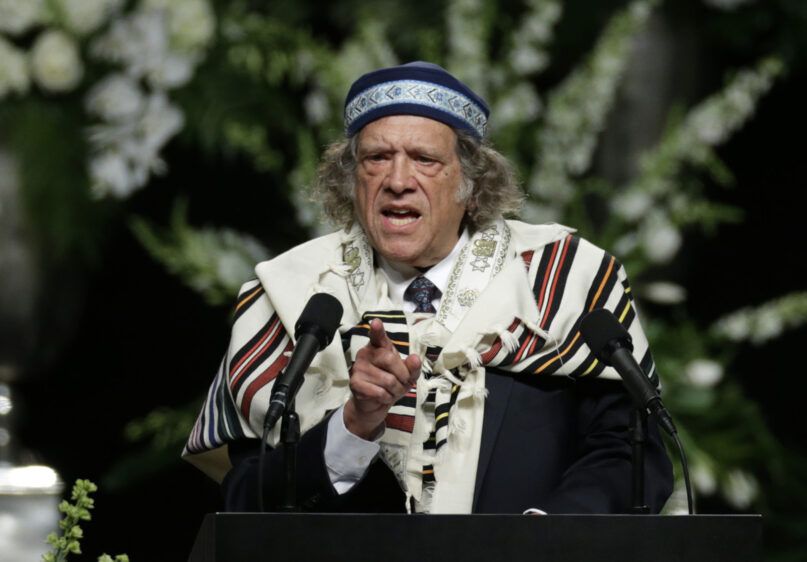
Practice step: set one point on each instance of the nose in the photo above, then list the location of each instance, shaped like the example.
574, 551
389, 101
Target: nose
400, 175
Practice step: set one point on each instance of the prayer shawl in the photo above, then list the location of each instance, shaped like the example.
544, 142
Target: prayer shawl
514, 301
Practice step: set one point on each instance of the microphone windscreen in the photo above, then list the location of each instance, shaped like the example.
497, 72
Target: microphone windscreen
320, 317
601, 331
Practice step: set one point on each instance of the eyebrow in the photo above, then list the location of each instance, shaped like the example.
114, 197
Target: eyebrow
374, 149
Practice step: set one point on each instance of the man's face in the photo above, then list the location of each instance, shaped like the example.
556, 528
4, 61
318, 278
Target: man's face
406, 184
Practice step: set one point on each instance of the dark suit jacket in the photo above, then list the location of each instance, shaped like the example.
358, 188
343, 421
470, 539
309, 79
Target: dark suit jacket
547, 442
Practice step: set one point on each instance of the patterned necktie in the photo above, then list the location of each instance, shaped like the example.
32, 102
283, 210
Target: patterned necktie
421, 292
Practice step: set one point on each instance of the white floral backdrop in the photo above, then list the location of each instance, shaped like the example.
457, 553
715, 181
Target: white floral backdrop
142, 74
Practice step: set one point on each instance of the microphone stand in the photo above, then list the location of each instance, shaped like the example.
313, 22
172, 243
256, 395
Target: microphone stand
638, 437
290, 437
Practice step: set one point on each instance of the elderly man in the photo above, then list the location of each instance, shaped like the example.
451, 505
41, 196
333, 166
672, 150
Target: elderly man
460, 383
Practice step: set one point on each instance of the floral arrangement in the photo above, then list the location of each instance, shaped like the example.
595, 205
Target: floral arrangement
255, 83
145, 52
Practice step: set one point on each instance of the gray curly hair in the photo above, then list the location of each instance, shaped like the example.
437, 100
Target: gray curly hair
489, 187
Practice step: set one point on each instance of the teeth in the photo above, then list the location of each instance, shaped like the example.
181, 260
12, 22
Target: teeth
401, 217
402, 222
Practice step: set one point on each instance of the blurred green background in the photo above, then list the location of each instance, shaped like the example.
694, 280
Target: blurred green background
152, 151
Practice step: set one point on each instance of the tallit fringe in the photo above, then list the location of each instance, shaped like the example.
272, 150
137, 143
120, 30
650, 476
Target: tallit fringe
450, 378
537, 330
443, 383
472, 357
509, 339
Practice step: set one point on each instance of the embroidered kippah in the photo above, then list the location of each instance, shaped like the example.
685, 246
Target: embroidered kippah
417, 88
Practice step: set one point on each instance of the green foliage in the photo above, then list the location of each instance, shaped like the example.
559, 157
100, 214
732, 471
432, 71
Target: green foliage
164, 432
58, 207
215, 262
71, 533
765, 322
578, 107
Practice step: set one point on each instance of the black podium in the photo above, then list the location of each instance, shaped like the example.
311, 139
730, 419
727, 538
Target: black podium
238, 537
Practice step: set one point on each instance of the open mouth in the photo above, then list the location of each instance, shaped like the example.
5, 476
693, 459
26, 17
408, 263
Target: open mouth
401, 217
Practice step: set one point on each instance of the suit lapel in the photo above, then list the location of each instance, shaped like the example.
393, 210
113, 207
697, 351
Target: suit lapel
499, 388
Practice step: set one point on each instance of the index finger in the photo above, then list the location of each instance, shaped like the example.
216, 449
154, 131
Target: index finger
378, 337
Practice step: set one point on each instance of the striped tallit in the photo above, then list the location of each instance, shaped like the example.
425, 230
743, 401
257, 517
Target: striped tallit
514, 302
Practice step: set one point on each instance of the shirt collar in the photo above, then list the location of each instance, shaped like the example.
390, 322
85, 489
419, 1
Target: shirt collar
400, 275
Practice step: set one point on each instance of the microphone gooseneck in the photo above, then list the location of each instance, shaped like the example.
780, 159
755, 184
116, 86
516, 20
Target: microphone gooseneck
611, 343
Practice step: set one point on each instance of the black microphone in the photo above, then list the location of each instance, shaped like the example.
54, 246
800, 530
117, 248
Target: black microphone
611, 343
313, 332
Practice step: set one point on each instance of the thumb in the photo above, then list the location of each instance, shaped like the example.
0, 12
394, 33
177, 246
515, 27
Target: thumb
413, 364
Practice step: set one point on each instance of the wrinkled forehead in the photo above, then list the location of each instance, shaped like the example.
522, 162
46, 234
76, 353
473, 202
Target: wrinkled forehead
407, 132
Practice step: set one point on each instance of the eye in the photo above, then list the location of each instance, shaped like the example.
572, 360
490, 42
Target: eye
376, 157
423, 159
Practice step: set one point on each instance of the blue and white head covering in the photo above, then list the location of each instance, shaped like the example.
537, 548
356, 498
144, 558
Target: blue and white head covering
417, 88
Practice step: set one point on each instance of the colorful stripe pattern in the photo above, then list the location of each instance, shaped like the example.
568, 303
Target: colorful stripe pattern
569, 277
550, 270
245, 371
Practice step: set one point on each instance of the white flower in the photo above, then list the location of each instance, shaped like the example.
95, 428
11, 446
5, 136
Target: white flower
136, 41
704, 372
85, 16
708, 125
140, 43
768, 325
624, 245
526, 59
660, 239
640, 10
233, 268
664, 292
535, 213
191, 23
115, 98
537, 27
316, 106
18, 16
13, 69
110, 174
160, 122
632, 205
740, 489
130, 149
521, 103
171, 71
55, 62
677, 502
703, 478
741, 100
736, 326
550, 183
